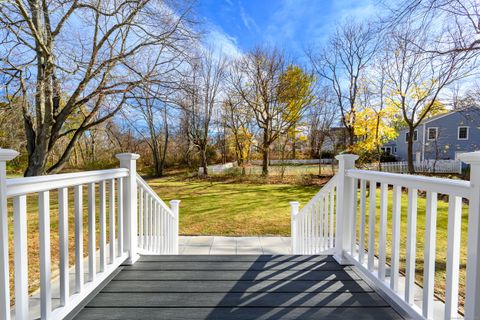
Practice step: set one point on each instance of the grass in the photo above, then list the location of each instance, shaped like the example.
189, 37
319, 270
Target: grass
211, 207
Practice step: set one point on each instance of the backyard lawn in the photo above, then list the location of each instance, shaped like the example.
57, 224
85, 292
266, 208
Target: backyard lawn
234, 209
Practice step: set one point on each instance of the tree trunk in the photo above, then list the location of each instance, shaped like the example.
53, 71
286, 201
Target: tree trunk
204, 160
411, 167
266, 152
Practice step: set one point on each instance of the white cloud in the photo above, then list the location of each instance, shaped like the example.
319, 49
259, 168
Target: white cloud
223, 43
246, 19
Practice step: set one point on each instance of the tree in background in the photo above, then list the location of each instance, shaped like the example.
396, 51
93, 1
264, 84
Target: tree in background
199, 97
373, 129
54, 71
342, 63
257, 79
239, 120
295, 90
415, 78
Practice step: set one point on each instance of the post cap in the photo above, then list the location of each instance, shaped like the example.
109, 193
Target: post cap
7, 154
175, 202
127, 156
346, 156
470, 157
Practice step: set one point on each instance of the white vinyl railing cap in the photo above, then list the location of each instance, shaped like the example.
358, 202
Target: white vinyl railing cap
127, 156
7, 154
470, 157
347, 156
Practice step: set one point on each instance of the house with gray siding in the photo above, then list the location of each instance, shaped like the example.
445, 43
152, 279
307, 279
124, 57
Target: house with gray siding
442, 137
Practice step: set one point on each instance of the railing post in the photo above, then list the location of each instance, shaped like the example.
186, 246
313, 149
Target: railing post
293, 225
344, 206
174, 205
472, 301
129, 161
5, 155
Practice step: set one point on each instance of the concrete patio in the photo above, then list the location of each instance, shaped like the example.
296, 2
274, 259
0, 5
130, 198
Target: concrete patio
216, 245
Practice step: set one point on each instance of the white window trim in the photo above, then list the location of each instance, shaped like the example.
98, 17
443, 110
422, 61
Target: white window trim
414, 140
428, 133
458, 132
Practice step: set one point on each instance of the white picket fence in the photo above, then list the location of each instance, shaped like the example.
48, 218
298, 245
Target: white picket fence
313, 233
138, 221
293, 161
425, 166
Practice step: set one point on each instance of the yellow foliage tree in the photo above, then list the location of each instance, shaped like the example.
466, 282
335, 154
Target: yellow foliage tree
373, 129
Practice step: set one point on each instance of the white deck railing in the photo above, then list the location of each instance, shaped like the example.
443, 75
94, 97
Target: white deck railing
124, 199
158, 224
353, 245
313, 226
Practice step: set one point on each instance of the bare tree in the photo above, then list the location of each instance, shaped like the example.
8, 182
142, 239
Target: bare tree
342, 63
256, 79
457, 27
416, 78
64, 58
321, 117
239, 119
199, 98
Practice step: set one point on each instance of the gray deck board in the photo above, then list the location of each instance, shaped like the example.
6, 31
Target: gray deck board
237, 287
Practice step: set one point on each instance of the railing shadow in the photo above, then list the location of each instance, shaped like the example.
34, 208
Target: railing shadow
269, 291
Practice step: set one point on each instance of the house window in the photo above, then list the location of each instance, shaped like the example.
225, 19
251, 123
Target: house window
463, 133
432, 133
387, 150
395, 150
415, 136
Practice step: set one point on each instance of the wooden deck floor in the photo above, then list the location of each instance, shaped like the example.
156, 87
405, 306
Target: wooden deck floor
237, 287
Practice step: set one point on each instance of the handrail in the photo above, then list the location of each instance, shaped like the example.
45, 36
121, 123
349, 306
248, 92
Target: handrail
440, 185
26, 185
324, 190
144, 185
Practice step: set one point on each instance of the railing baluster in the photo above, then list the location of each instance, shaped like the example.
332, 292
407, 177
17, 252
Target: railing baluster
396, 214
453, 255
319, 226
91, 233
332, 218
411, 246
325, 222
150, 223
371, 225
140, 217
111, 204
21, 256
382, 254
45, 259
120, 217
78, 239
363, 213
353, 240
429, 254
156, 229
63, 245
145, 221
103, 225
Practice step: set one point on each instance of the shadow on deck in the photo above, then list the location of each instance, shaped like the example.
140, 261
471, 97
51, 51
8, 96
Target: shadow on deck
237, 287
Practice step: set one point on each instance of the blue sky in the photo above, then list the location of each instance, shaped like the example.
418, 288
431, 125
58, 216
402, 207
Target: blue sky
292, 25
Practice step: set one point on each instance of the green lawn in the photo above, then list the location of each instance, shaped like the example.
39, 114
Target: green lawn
218, 208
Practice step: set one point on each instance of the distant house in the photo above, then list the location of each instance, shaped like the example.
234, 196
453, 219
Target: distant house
442, 137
